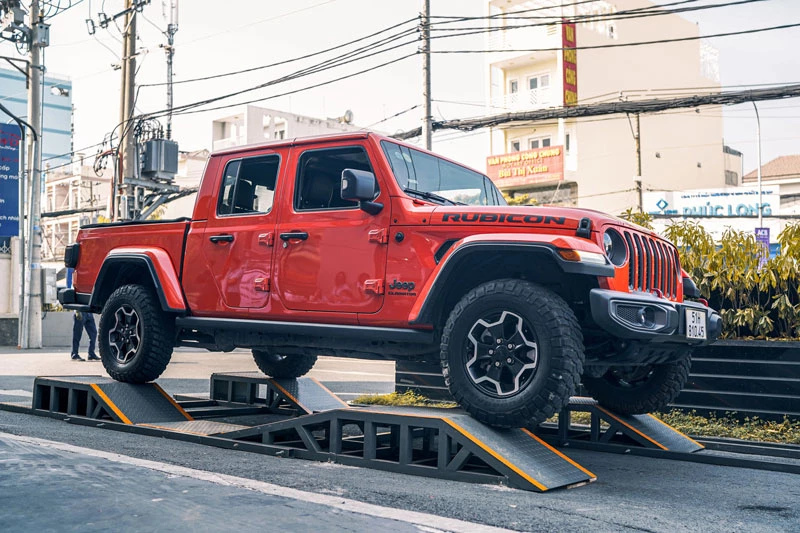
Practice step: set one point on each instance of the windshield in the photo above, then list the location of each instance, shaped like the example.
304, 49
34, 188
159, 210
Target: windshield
424, 173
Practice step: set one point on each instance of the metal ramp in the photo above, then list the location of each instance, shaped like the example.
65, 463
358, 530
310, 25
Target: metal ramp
441, 443
95, 397
607, 428
315, 424
303, 395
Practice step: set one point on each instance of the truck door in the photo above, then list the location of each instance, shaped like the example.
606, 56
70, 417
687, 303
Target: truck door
239, 235
330, 255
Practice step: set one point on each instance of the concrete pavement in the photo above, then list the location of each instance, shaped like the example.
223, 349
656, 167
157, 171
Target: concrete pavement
228, 489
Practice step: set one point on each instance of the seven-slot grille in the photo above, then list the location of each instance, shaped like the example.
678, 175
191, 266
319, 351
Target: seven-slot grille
652, 264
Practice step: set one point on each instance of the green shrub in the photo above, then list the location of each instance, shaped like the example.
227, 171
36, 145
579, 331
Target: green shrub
754, 300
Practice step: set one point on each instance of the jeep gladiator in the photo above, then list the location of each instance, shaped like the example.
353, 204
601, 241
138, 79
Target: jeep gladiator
358, 245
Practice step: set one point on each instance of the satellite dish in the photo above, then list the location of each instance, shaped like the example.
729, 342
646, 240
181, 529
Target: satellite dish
347, 118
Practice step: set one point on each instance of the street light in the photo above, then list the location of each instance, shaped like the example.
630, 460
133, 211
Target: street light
55, 90
758, 142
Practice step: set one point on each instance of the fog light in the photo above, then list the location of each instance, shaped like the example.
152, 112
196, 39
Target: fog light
646, 316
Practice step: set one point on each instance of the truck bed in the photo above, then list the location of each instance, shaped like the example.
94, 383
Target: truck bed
97, 240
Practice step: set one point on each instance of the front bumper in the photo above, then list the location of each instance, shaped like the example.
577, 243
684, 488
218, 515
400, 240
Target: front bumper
648, 319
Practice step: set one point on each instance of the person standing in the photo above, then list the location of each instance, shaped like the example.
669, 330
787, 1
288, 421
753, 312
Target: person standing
80, 321
84, 320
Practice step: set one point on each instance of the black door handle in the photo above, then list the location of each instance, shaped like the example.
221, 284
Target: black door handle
302, 235
221, 238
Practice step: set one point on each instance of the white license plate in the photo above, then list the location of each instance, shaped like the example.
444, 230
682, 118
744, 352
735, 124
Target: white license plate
695, 324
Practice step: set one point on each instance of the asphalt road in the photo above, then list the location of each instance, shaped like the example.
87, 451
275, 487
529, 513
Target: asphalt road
47, 486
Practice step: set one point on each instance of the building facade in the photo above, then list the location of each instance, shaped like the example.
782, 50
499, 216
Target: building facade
593, 162
252, 124
718, 209
56, 112
74, 195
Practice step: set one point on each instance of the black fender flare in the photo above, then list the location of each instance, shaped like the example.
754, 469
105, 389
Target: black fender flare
461, 254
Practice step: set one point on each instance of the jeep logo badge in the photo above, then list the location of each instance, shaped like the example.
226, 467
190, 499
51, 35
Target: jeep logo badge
402, 286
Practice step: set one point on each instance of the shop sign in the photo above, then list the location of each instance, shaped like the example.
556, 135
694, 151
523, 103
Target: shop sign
570, 63
526, 168
719, 203
9, 179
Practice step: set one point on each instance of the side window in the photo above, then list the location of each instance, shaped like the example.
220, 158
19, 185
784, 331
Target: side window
319, 175
400, 160
249, 185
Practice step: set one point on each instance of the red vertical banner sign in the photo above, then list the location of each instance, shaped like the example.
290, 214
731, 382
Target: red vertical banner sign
570, 63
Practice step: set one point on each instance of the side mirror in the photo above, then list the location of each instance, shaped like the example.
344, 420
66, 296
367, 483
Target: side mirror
361, 186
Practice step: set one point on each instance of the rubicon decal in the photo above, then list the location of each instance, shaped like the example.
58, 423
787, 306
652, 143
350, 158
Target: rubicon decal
402, 288
503, 218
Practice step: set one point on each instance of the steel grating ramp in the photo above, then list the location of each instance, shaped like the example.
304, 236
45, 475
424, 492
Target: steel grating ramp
441, 443
97, 397
304, 395
607, 427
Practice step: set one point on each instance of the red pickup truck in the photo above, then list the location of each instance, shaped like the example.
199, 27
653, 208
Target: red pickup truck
358, 245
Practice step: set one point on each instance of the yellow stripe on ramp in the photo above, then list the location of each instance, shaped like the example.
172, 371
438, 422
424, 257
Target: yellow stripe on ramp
494, 454
687, 437
567, 459
610, 414
173, 402
113, 407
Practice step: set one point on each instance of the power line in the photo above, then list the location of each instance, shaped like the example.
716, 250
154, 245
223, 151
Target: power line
321, 84
611, 108
623, 45
294, 59
341, 60
637, 13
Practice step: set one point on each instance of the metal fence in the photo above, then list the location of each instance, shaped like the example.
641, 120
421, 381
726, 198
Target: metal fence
749, 378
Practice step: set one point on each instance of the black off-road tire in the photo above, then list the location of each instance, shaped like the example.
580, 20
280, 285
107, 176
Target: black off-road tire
657, 388
283, 366
145, 359
559, 358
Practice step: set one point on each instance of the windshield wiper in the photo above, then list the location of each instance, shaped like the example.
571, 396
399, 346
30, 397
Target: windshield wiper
431, 196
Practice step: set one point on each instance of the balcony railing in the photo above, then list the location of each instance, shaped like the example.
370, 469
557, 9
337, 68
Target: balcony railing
526, 100
229, 142
522, 39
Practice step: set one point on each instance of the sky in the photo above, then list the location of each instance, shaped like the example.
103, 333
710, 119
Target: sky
215, 37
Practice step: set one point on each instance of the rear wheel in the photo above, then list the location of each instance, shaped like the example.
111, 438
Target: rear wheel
511, 353
135, 336
283, 366
639, 389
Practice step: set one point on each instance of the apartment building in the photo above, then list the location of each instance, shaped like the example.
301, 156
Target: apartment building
56, 111
593, 162
74, 195
253, 124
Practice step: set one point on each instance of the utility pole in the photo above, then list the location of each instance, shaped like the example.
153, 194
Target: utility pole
638, 138
127, 156
427, 119
172, 28
32, 302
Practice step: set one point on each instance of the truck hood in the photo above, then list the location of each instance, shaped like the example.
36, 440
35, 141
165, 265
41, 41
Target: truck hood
525, 216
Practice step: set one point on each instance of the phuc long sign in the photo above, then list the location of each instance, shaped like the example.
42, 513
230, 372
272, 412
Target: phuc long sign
718, 203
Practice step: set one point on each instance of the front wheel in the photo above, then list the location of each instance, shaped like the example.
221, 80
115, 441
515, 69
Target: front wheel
136, 336
639, 389
512, 353
283, 366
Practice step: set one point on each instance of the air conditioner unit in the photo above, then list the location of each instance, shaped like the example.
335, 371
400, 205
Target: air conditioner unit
160, 159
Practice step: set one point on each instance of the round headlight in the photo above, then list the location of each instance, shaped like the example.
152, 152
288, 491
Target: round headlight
615, 248
608, 244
